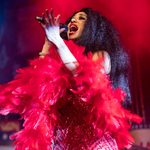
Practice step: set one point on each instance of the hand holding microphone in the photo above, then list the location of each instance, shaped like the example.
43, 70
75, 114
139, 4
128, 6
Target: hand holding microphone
52, 28
63, 28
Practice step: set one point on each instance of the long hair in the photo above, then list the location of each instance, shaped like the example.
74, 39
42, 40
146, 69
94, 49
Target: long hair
99, 34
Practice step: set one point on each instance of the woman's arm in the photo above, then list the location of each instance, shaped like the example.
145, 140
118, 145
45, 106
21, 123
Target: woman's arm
51, 27
45, 49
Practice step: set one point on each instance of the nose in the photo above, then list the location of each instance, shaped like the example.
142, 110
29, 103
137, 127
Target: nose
73, 20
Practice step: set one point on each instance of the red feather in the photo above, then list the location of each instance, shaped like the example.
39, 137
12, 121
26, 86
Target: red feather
84, 105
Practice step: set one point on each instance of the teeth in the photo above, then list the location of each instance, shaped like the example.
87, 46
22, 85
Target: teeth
73, 27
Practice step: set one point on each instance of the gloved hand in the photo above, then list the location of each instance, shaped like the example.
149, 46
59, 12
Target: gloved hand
50, 25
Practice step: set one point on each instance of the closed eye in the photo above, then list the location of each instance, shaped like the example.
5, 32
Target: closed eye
82, 18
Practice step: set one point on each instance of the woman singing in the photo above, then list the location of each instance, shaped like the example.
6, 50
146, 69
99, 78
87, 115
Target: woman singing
71, 96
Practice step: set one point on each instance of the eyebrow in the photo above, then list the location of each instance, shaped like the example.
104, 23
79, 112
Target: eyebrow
83, 15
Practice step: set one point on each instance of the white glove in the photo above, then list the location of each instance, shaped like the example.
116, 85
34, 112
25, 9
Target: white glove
66, 56
52, 33
51, 27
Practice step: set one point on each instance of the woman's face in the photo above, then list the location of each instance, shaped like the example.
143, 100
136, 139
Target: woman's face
76, 25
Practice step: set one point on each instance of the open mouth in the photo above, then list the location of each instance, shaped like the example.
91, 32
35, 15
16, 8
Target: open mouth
73, 28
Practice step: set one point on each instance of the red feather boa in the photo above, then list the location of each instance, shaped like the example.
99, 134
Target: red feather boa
46, 95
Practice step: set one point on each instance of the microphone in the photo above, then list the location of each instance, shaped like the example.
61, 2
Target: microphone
64, 33
40, 19
61, 25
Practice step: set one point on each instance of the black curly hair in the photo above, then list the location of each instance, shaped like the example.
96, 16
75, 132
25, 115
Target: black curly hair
99, 34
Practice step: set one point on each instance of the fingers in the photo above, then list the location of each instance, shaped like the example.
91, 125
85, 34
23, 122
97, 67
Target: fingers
52, 18
57, 20
48, 18
62, 30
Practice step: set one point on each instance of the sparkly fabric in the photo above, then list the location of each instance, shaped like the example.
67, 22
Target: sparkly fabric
83, 105
106, 142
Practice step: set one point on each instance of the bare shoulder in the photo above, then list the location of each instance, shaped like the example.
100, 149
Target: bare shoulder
106, 59
97, 55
